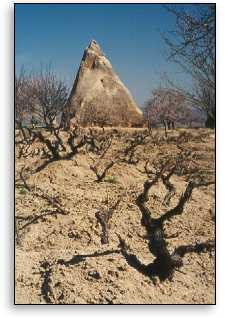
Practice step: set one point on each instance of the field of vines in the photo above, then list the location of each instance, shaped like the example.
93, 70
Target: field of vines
114, 216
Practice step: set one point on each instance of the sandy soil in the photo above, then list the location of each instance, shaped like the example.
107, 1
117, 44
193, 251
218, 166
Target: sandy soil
60, 258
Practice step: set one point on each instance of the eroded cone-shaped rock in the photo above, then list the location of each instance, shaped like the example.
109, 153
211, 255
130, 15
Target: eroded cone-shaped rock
98, 96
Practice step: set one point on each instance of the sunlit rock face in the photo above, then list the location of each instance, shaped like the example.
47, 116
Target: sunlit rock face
98, 96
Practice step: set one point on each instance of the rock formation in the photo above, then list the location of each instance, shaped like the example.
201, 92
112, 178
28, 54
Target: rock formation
98, 96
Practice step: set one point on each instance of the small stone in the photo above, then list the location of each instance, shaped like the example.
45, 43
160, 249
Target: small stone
113, 273
95, 274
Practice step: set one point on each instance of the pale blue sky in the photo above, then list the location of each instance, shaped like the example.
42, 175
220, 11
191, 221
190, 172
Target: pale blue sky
128, 34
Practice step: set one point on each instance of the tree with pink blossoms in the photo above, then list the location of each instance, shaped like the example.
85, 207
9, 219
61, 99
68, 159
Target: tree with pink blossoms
168, 107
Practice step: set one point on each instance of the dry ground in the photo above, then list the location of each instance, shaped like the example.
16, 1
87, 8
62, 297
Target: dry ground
60, 258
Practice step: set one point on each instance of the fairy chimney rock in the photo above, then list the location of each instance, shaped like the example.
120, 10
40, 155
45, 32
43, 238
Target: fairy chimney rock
98, 96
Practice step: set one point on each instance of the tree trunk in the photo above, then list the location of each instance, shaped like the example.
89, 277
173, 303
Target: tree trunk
168, 124
173, 125
149, 126
20, 127
210, 122
165, 127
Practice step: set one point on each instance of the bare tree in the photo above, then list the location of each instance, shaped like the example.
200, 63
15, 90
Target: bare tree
51, 94
24, 101
192, 45
100, 111
95, 113
23, 96
166, 106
